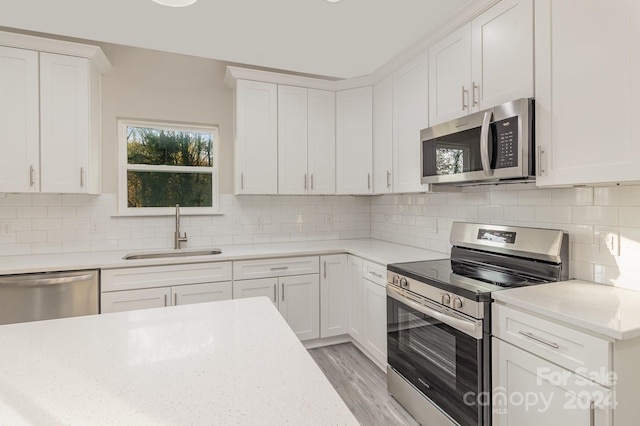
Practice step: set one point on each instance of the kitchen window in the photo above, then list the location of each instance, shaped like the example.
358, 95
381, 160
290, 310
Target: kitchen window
163, 164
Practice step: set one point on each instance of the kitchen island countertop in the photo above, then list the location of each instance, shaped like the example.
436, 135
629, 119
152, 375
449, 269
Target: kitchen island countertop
234, 362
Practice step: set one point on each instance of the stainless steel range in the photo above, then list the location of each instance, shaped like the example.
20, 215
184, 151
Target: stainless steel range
439, 317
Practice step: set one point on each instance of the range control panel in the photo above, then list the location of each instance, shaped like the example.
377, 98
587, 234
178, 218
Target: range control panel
506, 143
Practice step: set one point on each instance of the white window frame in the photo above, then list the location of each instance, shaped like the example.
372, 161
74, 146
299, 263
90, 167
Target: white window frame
123, 167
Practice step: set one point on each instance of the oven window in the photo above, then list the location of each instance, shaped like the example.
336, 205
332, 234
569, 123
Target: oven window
442, 362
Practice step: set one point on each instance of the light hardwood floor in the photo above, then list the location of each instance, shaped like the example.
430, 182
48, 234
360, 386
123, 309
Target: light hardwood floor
361, 384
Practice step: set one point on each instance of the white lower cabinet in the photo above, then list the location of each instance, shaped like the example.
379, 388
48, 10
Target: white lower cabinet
159, 297
297, 297
368, 308
356, 290
375, 324
334, 296
529, 391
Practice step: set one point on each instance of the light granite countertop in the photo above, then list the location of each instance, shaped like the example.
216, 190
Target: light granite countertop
235, 362
374, 250
602, 309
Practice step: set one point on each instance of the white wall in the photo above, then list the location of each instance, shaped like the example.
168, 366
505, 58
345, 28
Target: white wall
156, 85
582, 212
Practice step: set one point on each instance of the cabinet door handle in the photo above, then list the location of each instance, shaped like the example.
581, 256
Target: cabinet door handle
279, 268
241, 180
275, 296
165, 300
388, 179
542, 161
305, 181
32, 179
368, 180
539, 339
474, 100
375, 274
312, 181
592, 413
464, 92
175, 299
325, 269
81, 177
282, 290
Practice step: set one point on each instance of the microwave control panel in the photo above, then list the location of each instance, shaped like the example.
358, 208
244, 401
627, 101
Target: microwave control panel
506, 132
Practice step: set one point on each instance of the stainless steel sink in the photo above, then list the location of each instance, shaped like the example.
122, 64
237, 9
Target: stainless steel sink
172, 253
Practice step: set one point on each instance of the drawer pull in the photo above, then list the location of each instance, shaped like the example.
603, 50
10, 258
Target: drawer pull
539, 339
282, 289
592, 413
375, 274
279, 268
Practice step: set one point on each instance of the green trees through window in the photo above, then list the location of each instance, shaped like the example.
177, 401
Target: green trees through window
166, 166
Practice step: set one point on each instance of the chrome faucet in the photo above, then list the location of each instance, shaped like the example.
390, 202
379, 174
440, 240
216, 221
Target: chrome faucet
177, 238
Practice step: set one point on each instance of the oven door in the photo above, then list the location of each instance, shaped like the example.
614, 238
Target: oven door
439, 351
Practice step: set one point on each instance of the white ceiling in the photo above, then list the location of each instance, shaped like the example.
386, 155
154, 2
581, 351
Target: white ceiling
341, 40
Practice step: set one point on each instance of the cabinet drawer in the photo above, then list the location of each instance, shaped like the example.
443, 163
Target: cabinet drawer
162, 276
280, 267
374, 272
580, 352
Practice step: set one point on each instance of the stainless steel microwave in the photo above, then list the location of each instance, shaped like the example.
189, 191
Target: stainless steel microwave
488, 146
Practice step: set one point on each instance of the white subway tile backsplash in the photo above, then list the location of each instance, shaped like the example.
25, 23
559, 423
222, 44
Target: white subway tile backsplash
36, 237
596, 215
572, 197
519, 213
630, 216
553, 214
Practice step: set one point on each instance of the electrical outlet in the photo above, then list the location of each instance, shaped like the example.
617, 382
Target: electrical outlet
610, 241
95, 228
328, 220
433, 226
5, 228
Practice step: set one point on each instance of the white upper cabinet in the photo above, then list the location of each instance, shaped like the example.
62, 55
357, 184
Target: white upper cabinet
64, 124
49, 115
484, 63
306, 141
292, 140
502, 54
587, 67
383, 136
450, 76
321, 131
19, 129
256, 138
354, 141
410, 115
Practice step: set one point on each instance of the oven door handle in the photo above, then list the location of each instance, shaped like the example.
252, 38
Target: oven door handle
467, 327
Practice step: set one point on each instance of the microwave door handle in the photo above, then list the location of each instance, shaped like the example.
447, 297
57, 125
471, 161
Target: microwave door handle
484, 144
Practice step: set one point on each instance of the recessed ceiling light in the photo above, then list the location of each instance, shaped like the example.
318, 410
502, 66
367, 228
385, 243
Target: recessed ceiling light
175, 3
333, 1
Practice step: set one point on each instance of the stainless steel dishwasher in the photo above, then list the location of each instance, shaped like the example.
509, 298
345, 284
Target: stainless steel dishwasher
49, 295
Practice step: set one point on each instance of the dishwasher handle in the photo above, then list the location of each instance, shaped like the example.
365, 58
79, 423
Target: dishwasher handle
10, 281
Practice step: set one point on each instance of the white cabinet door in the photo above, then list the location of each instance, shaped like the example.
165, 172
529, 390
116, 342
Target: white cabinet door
200, 293
255, 288
450, 76
354, 140
321, 138
530, 391
299, 304
586, 70
502, 54
256, 138
129, 300
356, 298
334, 296
19, 126
64, 123
410, 115
383, 136
375, 304
292, 140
